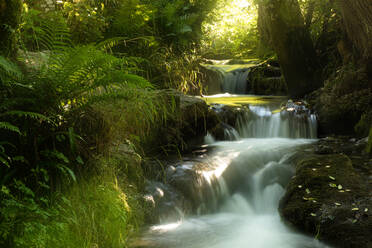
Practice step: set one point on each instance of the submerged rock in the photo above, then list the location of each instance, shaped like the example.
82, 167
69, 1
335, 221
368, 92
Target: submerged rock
330, 200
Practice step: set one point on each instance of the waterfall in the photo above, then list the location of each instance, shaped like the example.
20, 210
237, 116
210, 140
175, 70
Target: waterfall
231, 78
235, 82
251, 172
265, 123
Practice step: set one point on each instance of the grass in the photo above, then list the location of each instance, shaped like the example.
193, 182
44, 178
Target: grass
98, 211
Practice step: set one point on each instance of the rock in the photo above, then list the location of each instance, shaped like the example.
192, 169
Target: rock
342, 102
164, 203
230, 114
300, 118
266, 79
187, 126
189, 179
327, 198
322, 149
212, 81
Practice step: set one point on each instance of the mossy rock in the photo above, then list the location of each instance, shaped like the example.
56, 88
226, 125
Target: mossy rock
346, 96
266, 80
362, 128
328, 199
187, 127
369, 144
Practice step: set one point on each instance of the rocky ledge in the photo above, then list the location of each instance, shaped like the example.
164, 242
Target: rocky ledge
330, 195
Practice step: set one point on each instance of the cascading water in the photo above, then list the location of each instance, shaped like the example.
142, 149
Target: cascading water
255, 169
236, 81
265, 122
233, 78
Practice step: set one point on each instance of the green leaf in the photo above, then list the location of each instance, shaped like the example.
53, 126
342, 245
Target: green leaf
185, 29
331, 177
4, 162
9, 127
26, 114
79, 160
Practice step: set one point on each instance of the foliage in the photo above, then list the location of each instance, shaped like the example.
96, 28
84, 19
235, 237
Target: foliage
40, 150
86, 20
95, 212
231, 30
42, 31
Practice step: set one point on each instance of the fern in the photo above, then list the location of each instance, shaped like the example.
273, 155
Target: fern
9, 127
9, 71
85, 71
32, 115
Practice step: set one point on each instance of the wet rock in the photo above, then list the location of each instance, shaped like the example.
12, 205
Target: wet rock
229, 117
230, 114
164, 203
327, 198
322, 149
299, 116
188, 179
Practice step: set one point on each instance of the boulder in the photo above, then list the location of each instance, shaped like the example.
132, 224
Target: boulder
186, 128
266, 80
328, 199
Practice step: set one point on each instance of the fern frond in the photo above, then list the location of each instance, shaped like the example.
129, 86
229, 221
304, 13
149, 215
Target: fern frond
108, 44
9, 70
9, 127
32, 115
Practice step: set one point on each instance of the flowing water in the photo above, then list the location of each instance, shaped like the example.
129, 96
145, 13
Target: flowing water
233, 77
251, 173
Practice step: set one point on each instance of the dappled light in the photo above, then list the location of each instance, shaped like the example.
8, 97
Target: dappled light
230, 29
185, 123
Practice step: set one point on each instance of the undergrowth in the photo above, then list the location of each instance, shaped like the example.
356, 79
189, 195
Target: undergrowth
99, 211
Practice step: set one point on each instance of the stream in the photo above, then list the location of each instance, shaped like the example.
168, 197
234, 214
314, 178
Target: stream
251, 174
246, 176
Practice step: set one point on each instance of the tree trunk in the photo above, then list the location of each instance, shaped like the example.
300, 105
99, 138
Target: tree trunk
357, 18
291, 41
10, 14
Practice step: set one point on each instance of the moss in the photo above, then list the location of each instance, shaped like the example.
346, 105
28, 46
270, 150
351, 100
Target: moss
346, 96
369, 145
321, 197
243, 100
266, 80
362, 128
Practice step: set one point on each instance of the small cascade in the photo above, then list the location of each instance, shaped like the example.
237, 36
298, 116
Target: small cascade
235, 82
230, 78
237, 186
287, 123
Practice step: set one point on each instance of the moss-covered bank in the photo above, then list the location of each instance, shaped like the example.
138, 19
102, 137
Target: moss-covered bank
328, 199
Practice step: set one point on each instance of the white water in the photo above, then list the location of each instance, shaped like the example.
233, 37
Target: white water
236, 81
267, 124
256, 172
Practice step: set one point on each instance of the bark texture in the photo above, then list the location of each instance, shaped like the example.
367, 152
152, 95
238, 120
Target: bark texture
10, 14
357, 18
282, 23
